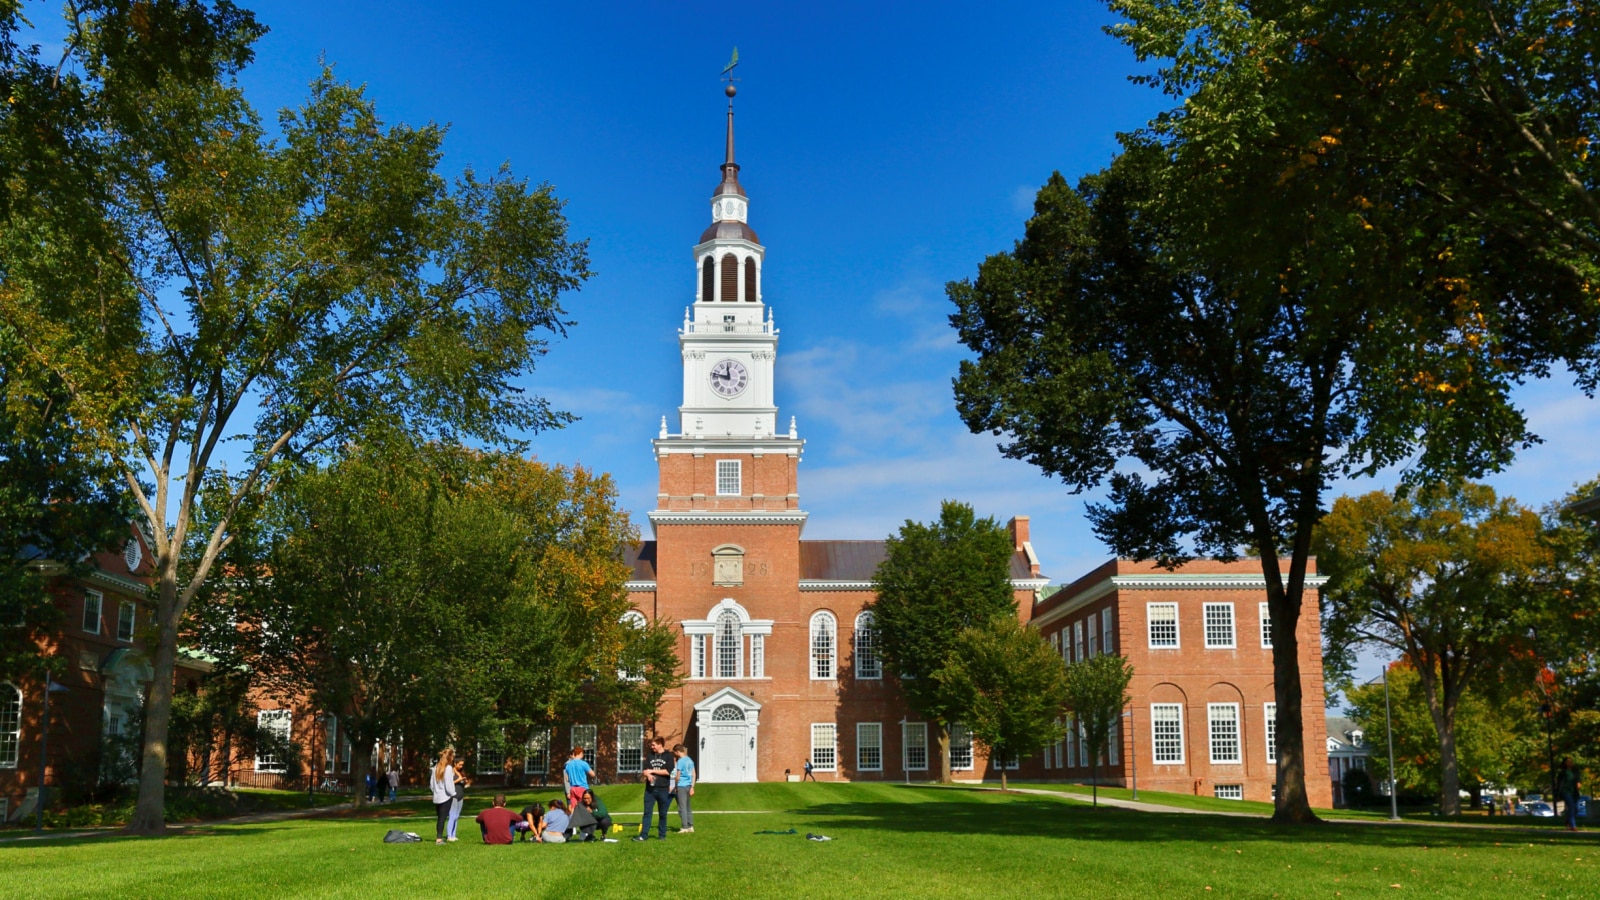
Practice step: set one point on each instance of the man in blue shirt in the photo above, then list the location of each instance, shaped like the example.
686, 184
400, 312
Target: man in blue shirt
683, 784
577, 774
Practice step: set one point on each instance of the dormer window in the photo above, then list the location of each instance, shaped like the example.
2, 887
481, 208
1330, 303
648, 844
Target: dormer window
1355, 738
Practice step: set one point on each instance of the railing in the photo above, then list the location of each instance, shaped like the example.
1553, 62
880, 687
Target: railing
690, 327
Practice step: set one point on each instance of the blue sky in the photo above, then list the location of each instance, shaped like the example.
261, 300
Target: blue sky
887, 148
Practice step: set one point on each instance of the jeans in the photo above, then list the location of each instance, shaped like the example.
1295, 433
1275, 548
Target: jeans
1570, 812
654, 797
443, 809
455, 813
685, 811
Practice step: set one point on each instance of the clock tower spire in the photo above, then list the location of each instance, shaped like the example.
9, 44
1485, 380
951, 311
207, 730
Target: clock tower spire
729, 346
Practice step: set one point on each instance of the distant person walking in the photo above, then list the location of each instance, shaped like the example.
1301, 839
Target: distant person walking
1567, 790
576, 774
394, 782
808, 772
460, 797
442, 784
657, 788
683, 787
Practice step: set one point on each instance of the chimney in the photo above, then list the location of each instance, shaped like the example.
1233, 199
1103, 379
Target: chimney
1019, 540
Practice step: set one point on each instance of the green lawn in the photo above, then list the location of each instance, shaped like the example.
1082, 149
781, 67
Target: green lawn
888, 841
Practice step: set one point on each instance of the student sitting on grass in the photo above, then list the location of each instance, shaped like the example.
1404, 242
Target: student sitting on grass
497, 822
532, 822
555, 823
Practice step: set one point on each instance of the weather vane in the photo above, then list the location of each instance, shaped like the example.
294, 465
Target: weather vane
727, 75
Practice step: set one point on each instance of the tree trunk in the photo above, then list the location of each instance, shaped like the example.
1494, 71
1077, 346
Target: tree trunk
1004, 785
1094, 778
149, 812
941, 744
1449, 765
361, 761
1294, 804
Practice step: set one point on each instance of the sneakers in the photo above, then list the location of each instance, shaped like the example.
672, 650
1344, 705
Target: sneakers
451, 839
641, 837
689, 830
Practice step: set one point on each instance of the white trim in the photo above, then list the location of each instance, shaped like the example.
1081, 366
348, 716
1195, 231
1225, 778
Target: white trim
856, 633
1211, 734
659, 517
906, 730
1177, 629
637, 587
1264, 625
824, 584
829, 730
830, 623
735, 470
639, 765
99, 611
275, 766
1183, 752
1233, 626
966, 744
1269, 727
1196, 582
14, 752
862, 745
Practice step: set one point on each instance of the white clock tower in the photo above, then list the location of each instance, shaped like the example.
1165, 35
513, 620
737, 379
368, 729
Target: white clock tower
730, 346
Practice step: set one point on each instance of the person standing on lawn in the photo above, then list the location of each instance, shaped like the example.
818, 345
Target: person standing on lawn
683, 787
394, 781
442, 783
657, 788
462, 782
497, 822
1567, 790
577, 774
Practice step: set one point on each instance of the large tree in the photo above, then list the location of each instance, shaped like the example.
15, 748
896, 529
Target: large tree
1441, 577
1008, 686
434, 594
218, 298
936, 580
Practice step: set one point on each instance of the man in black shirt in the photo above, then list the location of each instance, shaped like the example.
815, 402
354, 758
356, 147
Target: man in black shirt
657, 788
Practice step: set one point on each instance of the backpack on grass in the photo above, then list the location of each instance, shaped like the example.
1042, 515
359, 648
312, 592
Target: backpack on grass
401, 837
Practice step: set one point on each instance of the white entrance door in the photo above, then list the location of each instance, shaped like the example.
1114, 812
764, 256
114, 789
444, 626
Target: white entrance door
729, 746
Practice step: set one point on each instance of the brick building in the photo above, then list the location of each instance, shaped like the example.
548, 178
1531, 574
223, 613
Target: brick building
100, 641
1203, 712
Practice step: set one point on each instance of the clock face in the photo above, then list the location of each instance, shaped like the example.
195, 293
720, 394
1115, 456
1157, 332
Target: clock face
729, 378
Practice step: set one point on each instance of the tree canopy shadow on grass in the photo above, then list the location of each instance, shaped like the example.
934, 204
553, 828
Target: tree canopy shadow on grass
991, 813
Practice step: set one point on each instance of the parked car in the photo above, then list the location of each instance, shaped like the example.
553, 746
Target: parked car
1533, 798
1537, 808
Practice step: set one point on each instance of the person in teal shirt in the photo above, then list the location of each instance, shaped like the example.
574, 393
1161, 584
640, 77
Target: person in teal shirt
683, 783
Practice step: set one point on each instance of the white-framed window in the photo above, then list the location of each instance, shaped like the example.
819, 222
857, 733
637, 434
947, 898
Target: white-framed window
1224, 725
1266, 627
635, 620
868, 666
1072, 743
915, 741
824, 746
758, 656
1107, 643
1228, 791
1270, 717
127, 615
1061, 747
586, 736
1166, 733
1077, 642
1094, 635
491, 760
697, 655
1055, 641
1008, 763
10, 724
330, 743
824, 646
132, 554
960, 748
1163, 619
869, 746
1114, 744
92, 602
536, 759
630, 749
729, 482
730, 645
1219, 626
275, 725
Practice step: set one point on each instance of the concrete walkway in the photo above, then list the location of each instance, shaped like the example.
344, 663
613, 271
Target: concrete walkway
1143, 806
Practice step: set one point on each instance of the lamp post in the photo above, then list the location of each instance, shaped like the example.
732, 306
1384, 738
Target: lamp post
51, 686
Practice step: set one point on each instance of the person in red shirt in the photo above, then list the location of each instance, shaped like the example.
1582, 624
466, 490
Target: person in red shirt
497, 822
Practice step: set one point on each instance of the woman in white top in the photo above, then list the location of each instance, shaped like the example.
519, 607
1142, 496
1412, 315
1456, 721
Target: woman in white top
442, 782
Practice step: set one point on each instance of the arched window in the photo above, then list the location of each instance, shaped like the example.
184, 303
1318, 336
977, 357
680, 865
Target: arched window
866, 655
730, 279
750, 280
727, 712
824, 646
708, 278
631, 672
730, 644
10, 724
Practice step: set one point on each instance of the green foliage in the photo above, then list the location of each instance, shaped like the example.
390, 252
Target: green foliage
193, 282
1358, 790
1566, 623
1441, 578
938, 579
1008, 686
1497, 743
439, 595
1096, 692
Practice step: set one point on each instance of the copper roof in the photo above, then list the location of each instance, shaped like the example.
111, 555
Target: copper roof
730, 231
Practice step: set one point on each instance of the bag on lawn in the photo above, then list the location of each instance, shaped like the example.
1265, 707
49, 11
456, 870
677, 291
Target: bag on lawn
401, 837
